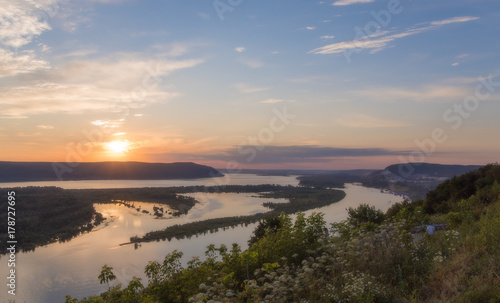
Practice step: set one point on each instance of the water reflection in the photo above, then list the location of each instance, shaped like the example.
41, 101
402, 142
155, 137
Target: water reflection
53, 271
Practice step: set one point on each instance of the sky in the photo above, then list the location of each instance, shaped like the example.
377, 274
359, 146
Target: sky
340, 84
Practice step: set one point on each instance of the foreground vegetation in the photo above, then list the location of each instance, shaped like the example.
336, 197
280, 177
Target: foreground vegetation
370, 257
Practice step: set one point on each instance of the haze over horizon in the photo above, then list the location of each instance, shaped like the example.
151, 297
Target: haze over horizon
340, 84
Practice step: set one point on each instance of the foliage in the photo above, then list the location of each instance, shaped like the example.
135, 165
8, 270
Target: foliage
482, 182
268, 224
106, 275
364, 214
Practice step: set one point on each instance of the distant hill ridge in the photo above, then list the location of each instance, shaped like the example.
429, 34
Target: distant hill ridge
431, 169
48, 171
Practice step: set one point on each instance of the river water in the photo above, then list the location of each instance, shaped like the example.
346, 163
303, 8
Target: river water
53, 271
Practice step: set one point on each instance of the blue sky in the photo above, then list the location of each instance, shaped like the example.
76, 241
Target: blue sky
257, 84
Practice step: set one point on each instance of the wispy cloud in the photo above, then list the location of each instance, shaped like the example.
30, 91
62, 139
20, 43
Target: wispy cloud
178, 48
252, 63
310, 28
81, 53
22, 62
426, 93
294, 154
365, 121
381, 40
454, 20
249, 89
460, 59
20, 24
273, 101
46, 127
327, 37
92, 85
240, 49
349, 2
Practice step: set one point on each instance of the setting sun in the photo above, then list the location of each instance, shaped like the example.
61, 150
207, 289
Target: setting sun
117, 146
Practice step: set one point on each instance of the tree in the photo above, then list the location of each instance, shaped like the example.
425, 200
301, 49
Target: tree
363, 214
106, 275
269, 224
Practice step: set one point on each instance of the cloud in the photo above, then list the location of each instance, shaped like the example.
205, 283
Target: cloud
248, 89
381, 39
22, 62
273, 101
108, 1
45, 127
240, 49
176, 49
426, 93
20, 23
109, 85
327, 37
349, 2
461, 59
292, 154
252, 63
310, 28
81, 53
454, 20
365, 121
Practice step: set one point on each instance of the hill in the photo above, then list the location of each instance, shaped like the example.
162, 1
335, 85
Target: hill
414, 180
433, 170
47, 171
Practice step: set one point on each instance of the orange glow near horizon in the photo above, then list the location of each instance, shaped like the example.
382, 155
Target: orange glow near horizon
118, 147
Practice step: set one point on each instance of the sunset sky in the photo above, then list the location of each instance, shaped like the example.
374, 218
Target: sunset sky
338, 84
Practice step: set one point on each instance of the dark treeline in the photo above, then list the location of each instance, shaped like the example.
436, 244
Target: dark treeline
47, 171
229, 188
46, 214
327, 181
300, 199
160, 195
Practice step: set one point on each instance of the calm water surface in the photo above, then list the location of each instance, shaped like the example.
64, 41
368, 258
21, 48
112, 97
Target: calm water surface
53, 271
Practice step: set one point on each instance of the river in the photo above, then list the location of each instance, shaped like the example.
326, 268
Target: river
53, 271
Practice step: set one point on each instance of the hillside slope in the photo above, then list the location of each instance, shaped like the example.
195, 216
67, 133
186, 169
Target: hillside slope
47, 171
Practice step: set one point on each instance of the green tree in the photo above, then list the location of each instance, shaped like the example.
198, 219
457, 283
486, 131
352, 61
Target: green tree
106, 275
363, 214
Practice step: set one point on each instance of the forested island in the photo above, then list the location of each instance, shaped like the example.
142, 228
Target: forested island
300, 199
370, 257
49, 214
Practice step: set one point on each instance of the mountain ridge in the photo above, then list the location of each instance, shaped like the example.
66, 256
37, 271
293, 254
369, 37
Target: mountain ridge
109, 170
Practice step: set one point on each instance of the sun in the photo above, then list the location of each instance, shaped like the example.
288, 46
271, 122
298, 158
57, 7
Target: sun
117, 146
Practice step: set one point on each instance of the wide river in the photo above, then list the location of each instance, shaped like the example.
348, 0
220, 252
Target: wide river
53, 271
